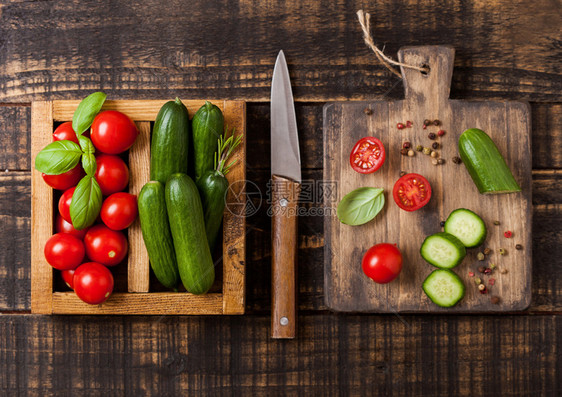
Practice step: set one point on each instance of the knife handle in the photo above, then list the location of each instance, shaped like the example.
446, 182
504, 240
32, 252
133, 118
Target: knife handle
284, 245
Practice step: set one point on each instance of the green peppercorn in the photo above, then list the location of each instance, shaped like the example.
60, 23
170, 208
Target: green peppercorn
503, 251
480, 256
426, 150
477, 281
492, 266
419, 148
496, 223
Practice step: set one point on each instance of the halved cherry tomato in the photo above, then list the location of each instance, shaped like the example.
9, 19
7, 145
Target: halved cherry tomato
411, 192
112, 174
113, 132
64, 204
106, 246
119, 210
68, 277
62, 226
93, 283
64, 251
65, 132
66, 180
382, 263
367, 155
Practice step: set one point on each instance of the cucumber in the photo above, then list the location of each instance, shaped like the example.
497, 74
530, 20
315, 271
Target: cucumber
443, 250
170, 141
187, 224
156, 234
485, 164
208, 125
212, 187
468, 227
444, 288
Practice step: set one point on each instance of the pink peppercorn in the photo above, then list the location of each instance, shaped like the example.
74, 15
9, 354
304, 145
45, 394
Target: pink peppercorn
400, 126
440, 132
507, 234
470, 274
492, 281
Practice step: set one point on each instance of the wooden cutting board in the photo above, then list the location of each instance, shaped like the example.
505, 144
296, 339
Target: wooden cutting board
346, 288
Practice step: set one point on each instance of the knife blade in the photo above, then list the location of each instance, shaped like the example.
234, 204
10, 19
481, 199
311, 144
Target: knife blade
285, 188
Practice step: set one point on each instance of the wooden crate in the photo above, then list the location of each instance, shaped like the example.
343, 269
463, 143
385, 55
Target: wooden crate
138, 299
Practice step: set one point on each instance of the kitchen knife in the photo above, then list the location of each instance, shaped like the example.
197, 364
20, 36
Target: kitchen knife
285, 188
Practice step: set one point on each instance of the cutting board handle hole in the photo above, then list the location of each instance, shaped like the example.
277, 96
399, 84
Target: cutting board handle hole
425, 72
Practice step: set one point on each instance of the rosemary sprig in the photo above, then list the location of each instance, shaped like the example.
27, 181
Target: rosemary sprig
225, 149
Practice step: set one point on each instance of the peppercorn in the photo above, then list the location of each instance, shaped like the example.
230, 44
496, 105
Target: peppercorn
492, 266
496, 223
434, 154
442, 223
441, 132
434, 161
431, 135
503, 271
484, 291
507, 234
400, 126
481, 287
470, 274
409, 123
436, 122
481, 269
440, 161
411, 153
518, 247
477, 281
494, 300
457, 160
419, 148
406, 145
435, 145
367, 111
426, 122
404, 152
480, 256
424, 126
503, 251
487, 251
492, 281
487, 271
426, 150
402, 173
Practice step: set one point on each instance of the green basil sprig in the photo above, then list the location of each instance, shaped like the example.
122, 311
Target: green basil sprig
58, 157
86, 112
88, 158
360, 205
86, 203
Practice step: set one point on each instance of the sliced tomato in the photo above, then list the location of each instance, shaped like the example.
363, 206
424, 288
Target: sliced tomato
411, 192
367, 155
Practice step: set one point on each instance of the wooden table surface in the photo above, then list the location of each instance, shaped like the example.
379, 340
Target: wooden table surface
224, 49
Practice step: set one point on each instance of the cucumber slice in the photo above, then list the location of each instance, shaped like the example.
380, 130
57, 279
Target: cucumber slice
467, 226
444, 288
443, 250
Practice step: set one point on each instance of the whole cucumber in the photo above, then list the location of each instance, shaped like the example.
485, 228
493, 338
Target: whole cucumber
208, 125
185, 213
212, 188
156, 234
170, 141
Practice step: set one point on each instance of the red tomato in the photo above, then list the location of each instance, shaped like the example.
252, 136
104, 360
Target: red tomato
62, 226
411, 192
64, 204
113, 132
93, 283
65, 132
106, 246
382, 263
68, 277
367, 155
66, 180
64, 251
119, 210
112, 174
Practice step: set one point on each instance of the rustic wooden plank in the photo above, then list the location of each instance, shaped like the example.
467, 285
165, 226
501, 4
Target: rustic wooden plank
334, 355
15, 124
138, 266
324, 47
547, 135
41, 211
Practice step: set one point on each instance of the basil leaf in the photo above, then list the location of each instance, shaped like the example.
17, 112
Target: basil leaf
360, 205
86, 111
86, 203
88, 158
58, 157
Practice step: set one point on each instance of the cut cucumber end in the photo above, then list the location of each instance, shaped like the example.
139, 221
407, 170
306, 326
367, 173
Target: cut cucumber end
466, 226
443, 250
444, 288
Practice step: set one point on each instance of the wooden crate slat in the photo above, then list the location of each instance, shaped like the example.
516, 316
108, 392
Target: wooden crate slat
138, 268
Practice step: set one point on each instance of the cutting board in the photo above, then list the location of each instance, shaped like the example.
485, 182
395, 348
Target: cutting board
346, 288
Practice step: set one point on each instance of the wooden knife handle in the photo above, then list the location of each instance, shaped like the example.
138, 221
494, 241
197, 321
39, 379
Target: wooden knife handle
285, 194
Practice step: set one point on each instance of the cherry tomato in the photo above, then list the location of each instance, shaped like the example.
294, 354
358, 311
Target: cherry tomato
411, 192
66, 180
64, 204
367, 155
112, 174
62, 226
93, 283
382, 263
68, 277
113, 132
119, 210
106, 246
64, 251
65, 132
